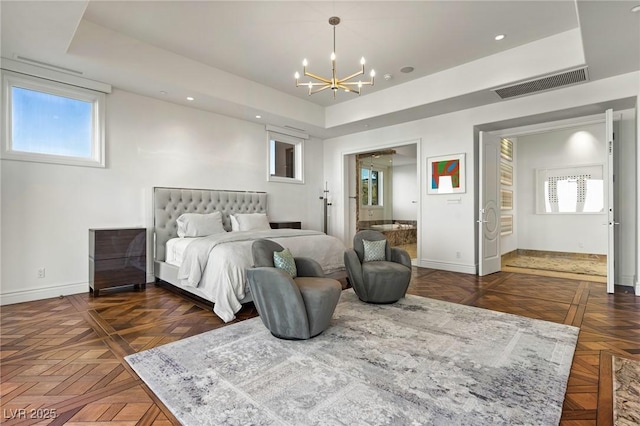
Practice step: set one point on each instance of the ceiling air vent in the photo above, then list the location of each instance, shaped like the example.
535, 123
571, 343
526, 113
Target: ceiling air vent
563, 79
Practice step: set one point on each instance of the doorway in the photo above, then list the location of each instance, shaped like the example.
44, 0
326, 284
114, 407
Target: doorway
545, 181
383, 194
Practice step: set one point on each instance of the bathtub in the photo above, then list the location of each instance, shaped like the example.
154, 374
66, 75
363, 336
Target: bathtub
397, 233
392, 226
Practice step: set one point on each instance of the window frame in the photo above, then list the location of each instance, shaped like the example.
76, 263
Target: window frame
28, 82
380, 187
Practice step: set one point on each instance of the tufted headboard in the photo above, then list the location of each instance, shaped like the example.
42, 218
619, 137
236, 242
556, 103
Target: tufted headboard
170, 203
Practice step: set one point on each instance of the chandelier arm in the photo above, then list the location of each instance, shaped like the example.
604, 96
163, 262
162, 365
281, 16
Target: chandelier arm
348, 89
322, 79
355, 74
356, 83
325, 87
310, 83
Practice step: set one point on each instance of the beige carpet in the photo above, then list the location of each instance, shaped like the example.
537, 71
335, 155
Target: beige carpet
574, 266
626, 392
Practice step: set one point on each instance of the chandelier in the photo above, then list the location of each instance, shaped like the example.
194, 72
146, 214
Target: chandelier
334, 83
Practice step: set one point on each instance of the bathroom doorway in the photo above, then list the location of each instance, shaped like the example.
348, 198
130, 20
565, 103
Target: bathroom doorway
386, 195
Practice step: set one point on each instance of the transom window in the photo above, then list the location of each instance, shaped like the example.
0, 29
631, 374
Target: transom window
51, 122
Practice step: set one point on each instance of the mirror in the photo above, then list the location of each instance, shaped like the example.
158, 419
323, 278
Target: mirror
285, 159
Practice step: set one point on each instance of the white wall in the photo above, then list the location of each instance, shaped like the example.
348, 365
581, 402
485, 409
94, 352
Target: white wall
47, 209
575, 233
405, 192
447, 224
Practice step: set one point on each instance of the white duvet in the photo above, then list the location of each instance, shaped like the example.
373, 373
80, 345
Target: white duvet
217, 264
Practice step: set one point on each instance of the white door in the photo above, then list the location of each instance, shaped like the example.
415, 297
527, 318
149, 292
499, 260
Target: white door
489, 195
611, 217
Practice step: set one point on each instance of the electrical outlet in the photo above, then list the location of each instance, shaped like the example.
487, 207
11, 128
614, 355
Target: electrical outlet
458, 256
41, 272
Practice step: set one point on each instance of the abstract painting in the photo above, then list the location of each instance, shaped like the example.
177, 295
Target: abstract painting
446, 174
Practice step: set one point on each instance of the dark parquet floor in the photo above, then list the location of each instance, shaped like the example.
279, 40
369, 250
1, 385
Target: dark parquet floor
62, 359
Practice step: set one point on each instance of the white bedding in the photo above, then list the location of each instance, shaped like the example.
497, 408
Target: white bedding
219, 269
175, 249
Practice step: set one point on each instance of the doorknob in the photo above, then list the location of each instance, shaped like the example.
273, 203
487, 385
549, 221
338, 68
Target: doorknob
482, 221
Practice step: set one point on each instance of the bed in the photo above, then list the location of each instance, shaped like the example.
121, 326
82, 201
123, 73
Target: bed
213, 267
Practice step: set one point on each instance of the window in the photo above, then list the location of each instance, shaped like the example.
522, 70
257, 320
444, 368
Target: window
52, 122
575, 190
285, 158
371, 192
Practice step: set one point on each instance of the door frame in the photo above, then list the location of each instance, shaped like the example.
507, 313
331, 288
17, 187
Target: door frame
346, 196
548, 126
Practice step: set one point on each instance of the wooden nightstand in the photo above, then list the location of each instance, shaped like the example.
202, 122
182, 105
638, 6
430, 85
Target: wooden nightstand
117, 257
282, 225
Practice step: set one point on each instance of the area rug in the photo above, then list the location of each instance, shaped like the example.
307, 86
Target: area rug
626, 391
574, 266
415, 362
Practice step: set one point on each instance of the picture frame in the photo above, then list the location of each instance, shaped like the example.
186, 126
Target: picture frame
506, 224
506, 199
506, 149
506, 174
446, 174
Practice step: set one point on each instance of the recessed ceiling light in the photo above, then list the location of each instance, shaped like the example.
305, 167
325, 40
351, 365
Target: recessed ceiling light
162, 92
499, 37
190, 98
406, 70
636, 8
258, 116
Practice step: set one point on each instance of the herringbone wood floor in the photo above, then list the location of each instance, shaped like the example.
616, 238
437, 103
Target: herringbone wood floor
62, 359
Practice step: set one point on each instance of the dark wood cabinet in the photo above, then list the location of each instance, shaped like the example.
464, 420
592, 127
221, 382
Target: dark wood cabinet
282, 225
117, 257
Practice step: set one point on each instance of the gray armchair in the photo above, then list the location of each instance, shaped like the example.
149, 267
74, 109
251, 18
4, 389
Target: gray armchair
381, 281
291, 308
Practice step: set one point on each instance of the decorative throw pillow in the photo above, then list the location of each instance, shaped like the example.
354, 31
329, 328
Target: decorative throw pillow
284, 260
374, 250
199, 225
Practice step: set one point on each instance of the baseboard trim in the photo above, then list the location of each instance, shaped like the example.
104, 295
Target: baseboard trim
12, 297
448, 266
627, 280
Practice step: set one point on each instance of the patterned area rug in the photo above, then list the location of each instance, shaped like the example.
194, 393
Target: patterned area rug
419, 361
626, 392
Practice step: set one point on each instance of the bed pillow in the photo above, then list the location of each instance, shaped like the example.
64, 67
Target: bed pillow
374, 250
284, 260
252, 222
199, 225
235, 226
